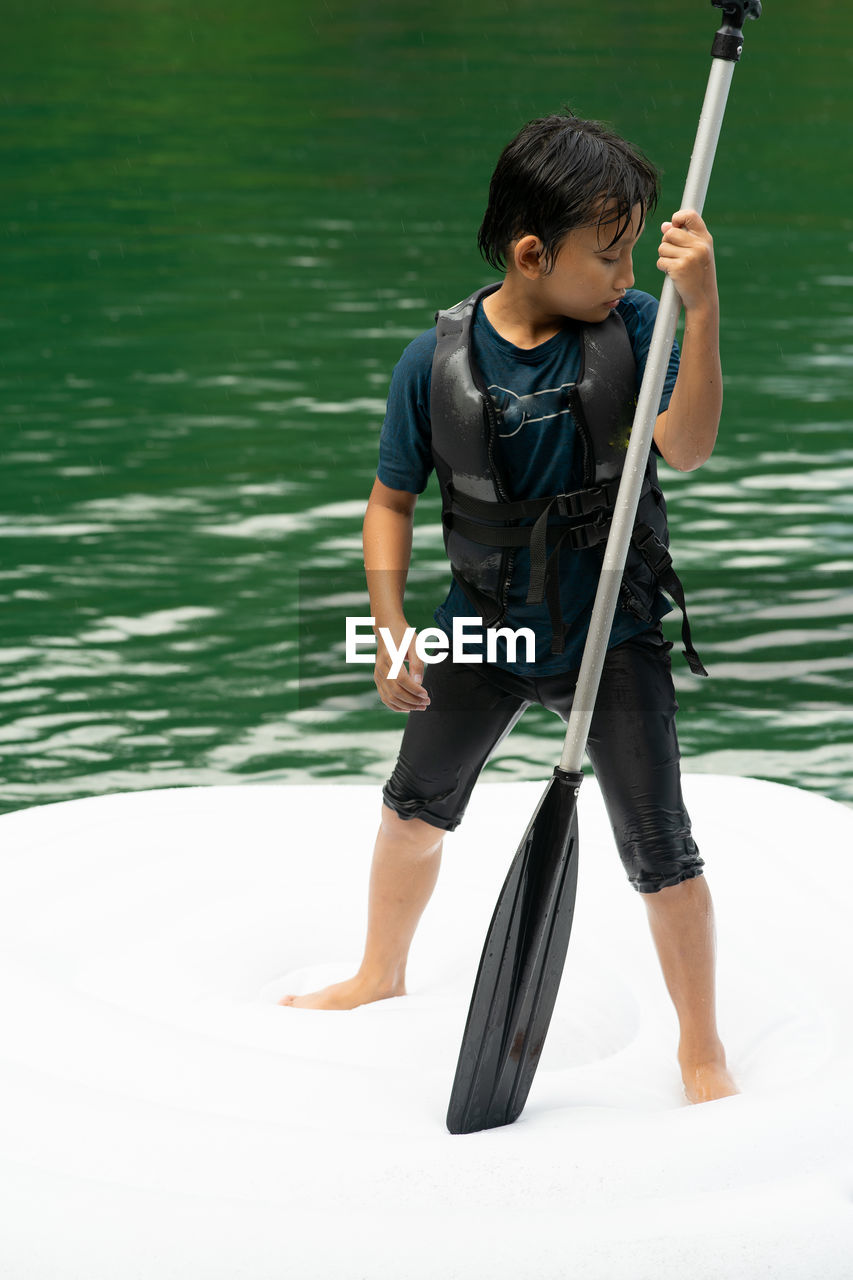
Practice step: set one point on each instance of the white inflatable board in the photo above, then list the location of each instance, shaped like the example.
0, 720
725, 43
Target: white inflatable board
162, 1117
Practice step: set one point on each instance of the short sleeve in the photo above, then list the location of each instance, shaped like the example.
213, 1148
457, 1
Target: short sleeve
639, 311
405, 443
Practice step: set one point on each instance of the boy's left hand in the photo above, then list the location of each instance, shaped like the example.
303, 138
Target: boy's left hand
686, 255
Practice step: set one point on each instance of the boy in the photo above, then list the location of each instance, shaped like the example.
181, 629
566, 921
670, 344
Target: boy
520, 398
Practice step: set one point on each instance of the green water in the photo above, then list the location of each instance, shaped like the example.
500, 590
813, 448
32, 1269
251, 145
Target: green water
223, 221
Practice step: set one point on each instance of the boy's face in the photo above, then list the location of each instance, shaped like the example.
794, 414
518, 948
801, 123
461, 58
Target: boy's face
590, 275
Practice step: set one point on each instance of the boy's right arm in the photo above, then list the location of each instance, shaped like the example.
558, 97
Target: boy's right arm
387, 540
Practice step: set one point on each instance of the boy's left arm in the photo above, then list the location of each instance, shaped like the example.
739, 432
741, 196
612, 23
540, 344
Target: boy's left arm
686, 431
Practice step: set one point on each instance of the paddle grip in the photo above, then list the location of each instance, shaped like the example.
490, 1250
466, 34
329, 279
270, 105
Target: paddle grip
728, 42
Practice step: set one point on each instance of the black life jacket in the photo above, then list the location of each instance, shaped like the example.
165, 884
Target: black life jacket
482, 523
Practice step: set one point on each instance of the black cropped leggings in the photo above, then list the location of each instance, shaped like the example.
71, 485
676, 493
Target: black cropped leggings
632, 744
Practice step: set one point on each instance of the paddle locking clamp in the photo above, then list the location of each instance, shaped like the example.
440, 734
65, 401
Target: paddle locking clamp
728, 42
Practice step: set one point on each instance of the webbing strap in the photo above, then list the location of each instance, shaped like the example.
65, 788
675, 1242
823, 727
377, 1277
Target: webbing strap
552, 596
573, 505
545, 566
659, 561
579, 536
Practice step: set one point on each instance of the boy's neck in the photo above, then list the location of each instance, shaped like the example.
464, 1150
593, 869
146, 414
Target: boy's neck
514, 314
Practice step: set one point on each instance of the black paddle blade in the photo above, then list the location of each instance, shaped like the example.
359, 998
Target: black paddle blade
520, 968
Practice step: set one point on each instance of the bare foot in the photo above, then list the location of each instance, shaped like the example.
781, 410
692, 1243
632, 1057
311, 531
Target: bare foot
707, 1081
344, 995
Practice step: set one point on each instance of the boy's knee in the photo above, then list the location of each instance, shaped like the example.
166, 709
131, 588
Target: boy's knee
413, 832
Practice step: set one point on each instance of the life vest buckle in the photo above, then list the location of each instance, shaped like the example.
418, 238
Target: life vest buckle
585, 502
652, 550
584, 536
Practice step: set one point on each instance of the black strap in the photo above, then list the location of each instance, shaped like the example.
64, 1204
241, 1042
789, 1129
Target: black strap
575, 505
544, 567
545, 572
592, 511
659, 561
579, 536
552, 596
539, 564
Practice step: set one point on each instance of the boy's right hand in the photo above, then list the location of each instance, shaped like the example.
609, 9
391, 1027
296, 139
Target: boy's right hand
405, 692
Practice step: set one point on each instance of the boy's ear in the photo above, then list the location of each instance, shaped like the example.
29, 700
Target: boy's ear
528, 256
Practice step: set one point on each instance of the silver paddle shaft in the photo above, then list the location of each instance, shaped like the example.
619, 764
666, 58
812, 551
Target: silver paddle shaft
628, 497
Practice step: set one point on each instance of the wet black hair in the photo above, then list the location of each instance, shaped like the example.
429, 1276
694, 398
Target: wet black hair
560, 173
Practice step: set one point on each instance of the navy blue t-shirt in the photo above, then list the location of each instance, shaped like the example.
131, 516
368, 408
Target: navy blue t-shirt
537, 457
